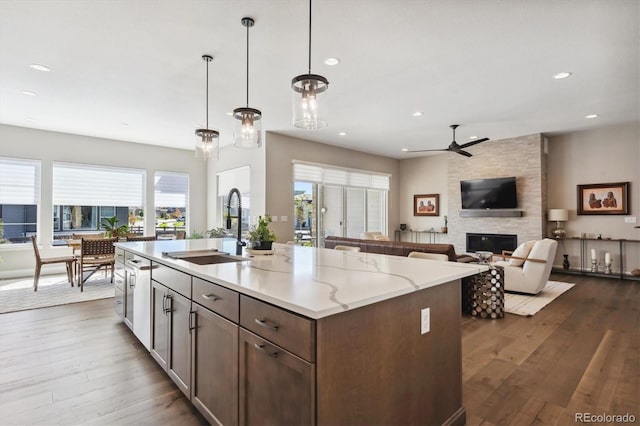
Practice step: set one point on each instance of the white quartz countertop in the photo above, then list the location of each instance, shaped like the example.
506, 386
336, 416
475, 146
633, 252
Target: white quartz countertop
313, 282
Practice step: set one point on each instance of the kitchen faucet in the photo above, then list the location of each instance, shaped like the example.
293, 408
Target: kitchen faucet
239, 243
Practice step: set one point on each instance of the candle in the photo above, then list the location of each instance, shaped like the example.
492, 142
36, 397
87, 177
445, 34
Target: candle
607, 258
593, 254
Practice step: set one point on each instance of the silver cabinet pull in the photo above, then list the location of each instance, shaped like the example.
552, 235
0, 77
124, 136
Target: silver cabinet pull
211, 296
262, 349
265, 324
168, 308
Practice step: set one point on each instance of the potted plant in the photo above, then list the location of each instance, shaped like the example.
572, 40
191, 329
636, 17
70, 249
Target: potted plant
260, 235
445, 229
111, 230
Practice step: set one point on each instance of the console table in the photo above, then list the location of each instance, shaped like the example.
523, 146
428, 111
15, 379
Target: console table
619, 248
415, 235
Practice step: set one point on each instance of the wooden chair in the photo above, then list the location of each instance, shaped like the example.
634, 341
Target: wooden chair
346, 248
95, 255
430, 256
70, 262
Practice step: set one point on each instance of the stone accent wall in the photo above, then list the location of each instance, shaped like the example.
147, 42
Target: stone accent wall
522, 157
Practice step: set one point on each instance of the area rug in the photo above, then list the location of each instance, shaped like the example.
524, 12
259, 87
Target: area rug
528, 305
53, 290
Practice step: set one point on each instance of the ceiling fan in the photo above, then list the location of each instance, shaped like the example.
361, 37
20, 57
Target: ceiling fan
454, 147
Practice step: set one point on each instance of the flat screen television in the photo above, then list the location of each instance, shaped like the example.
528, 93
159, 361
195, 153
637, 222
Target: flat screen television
495, 193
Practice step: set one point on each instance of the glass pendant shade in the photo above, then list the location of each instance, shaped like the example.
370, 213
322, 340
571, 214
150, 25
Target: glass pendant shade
309, 101
247, 127
207, 140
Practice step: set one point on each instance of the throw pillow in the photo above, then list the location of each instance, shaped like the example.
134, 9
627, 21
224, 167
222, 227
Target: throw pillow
522, 251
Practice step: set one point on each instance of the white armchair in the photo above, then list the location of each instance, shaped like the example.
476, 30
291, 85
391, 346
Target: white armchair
533, 274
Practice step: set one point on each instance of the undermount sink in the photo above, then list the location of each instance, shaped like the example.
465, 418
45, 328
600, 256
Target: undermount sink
212, 259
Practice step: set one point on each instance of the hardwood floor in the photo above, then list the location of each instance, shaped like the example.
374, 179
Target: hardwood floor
75, 364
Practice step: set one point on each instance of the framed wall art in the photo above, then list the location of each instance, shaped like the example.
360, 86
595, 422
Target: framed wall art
426, 205
603, 198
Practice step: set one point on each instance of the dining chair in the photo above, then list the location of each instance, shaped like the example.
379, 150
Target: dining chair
70, 262
430, 256
346, 248
95, 255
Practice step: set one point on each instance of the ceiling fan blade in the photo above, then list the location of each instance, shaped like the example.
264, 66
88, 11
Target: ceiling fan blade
428, 150
477, 141
465, 153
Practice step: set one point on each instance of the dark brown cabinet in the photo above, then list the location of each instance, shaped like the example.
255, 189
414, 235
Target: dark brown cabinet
214, 366
170, 334
276, 387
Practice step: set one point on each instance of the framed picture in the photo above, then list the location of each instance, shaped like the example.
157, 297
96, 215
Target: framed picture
426, 205
603, 198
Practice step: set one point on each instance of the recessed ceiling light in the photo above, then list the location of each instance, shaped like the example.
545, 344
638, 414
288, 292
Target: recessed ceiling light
562, 75
31, 120
332, 61
125, 124
473, 137
229, 113
342, 133
29, 93
418, 114
591, 116
404, 149
40, 67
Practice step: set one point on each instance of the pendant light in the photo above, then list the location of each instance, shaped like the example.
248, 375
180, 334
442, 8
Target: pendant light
208, 137
309, 104
246, 126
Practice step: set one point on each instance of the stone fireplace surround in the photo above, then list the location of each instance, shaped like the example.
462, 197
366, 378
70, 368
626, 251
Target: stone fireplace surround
523, 157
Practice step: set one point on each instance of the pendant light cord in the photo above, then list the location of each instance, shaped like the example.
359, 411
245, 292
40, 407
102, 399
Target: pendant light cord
207, 94
309, 37
247, 66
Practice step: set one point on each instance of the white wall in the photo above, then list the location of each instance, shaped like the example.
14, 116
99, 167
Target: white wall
49, 147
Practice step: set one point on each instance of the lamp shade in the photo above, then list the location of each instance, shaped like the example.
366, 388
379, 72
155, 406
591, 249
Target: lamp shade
561, 215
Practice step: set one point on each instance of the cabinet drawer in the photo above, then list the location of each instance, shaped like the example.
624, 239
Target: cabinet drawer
290, 331
122, 256
175, 280
220, 300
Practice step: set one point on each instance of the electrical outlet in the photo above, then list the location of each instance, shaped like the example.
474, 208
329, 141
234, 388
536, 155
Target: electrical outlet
425, 320
630, 219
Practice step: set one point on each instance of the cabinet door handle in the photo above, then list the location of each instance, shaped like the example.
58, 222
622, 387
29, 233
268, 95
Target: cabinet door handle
265, 324
262, 349
168, 308
211, 296
164, 303
191, 325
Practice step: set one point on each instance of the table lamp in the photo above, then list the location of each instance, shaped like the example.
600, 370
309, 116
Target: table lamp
559, 215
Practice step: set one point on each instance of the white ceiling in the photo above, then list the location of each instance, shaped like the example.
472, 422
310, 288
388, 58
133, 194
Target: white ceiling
485, 64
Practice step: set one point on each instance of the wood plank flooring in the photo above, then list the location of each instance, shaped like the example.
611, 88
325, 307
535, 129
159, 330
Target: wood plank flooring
75, 364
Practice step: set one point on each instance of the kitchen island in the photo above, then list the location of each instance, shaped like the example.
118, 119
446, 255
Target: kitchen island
306, 335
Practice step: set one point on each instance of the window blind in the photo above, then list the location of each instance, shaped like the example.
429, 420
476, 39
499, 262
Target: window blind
90, 185
330, 175
19, 181
171, 189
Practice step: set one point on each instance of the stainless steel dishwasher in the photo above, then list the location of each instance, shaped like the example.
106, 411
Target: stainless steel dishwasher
138, 299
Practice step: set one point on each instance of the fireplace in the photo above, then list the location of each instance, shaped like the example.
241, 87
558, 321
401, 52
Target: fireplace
491, 242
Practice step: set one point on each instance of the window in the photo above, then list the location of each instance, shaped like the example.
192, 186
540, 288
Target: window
349, 201
171, 201
19, 199
239, 178
83, 195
